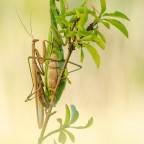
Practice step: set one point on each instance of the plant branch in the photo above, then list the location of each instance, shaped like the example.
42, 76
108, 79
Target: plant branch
55, 131
48, 114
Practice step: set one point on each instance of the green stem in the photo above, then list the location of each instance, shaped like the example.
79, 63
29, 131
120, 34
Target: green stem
55, 131
41, 138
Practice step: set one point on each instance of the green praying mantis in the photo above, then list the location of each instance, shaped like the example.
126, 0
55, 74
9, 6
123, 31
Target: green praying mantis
53, 57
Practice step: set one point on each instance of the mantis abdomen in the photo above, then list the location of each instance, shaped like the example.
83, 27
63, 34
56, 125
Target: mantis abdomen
53, 73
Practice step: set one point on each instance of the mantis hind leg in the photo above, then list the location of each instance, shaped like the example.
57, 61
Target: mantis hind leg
79, 67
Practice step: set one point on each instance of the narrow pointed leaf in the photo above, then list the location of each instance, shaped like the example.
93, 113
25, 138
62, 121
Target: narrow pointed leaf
101, 36
69, 81
81, 10
74, 114
73, 18
84, 3
70, 13
83, 17
89, 123
69, 33
86, 38
106, 24
103, 6
67, 116
78, 14
84, 33
82, 55
71, 136
117, 14
93, 53
62, 137
60, 121
61, 20
66, 73
118, 25
99, 42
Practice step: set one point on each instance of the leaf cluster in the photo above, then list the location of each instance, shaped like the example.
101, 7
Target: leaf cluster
76, 27
65, 125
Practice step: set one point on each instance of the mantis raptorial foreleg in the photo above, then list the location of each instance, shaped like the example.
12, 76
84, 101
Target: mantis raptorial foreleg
39, 70
37, 84
39, 66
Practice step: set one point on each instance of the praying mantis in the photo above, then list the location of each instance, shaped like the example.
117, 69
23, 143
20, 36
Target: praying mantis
44, 81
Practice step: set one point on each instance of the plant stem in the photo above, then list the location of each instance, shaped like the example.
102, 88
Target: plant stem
53, 132
48, 114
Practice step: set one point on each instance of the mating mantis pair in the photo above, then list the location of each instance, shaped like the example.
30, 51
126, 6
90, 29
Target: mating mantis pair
53, 57
42, 97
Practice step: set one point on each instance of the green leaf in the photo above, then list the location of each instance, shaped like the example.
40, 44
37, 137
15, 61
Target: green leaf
82, 55
74, 114
65, 22
61, 20
68, 115
83, 17
66, 73
69, 33
70, 13
99, 42
117, 14
118, 25
84, 3
62, 137
106, 24
78, 14
86, 38
73, 18
103, 6
71, 136
69, 81
89, 123
60, 121
93, 53
84, 33
101, 36
80, 10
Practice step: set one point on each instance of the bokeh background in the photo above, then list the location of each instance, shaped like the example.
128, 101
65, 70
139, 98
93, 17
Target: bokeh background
112, 94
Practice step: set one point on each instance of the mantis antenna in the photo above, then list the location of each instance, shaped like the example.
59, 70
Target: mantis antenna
31, 24
30, 34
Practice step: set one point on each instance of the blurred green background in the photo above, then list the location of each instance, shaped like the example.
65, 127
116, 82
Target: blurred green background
112, 94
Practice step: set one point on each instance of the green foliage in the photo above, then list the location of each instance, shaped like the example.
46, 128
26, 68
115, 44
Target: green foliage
118, 25
71, 117
117, 14
86, 32
103, 6
93, 53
